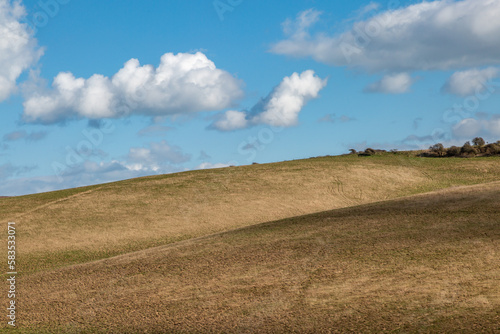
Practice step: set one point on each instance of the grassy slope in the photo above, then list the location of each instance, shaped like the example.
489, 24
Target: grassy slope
427, 263
84, 224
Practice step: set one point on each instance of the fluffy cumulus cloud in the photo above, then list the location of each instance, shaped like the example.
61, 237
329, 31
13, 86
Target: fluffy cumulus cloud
471, 82
182, 83
232, 120
471, 127
392, 84
280, 108
18, 48
435, 35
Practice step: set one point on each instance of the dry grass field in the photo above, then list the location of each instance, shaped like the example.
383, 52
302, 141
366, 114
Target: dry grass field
332, 244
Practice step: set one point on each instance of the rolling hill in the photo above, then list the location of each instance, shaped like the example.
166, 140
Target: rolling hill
427, 263
327, 244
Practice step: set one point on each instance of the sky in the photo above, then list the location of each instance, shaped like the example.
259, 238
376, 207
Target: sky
99, 91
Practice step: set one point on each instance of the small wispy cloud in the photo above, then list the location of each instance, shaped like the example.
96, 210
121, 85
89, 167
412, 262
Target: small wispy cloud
416, 123
332, 118
209, 165
391, 84
8, 170
23, 134
155, 130
157, 153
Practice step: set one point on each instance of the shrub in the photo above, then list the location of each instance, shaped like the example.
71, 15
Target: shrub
370, 151
453, 151
438, 149
367, 152
479, 147
468, 149
492, 149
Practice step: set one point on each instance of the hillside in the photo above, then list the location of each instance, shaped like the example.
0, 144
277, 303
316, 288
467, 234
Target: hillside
426, 263
84, 224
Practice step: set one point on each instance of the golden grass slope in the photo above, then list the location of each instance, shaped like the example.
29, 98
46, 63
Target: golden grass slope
425, 263
84, 224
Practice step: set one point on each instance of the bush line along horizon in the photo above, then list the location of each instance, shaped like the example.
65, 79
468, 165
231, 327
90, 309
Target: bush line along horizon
478, 148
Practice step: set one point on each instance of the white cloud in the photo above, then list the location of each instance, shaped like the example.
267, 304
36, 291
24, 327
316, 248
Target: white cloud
392, 84
471, 127
332, 118
372, 6
281, 107
209, 165
467, 128
18, 48
84, 174
470, 82
8, 170
23, 134
493, 127
155, 130
231, 120
156, 158
433, 35
156, 154
182, 83
32, 185
303, 21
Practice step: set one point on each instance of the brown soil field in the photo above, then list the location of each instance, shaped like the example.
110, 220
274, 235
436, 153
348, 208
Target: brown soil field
85, 224
426, 263
387, 243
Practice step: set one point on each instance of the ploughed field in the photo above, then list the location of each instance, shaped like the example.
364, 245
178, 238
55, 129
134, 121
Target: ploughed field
334, 244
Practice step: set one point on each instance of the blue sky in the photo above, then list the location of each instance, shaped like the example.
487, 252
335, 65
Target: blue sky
98, 91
